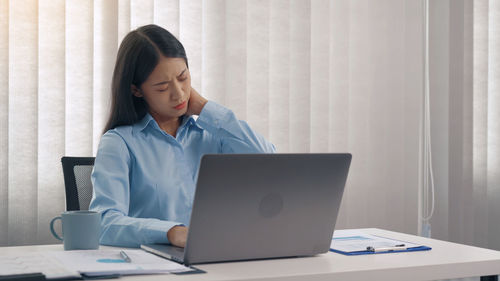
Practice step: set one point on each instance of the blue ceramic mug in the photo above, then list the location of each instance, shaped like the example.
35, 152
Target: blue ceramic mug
80, 230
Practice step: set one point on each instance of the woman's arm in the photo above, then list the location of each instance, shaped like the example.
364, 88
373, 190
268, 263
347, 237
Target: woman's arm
235, 135
111, 197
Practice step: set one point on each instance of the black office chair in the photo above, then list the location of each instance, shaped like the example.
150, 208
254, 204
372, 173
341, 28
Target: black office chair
77, 182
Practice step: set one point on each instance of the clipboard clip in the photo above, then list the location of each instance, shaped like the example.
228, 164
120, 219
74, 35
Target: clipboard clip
400, 247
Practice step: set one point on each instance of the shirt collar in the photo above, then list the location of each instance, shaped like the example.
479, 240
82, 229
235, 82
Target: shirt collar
189, 120
144, 122
148, 119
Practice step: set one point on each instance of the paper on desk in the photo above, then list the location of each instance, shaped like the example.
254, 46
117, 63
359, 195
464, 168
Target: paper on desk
107, 262
356, 241
35, 263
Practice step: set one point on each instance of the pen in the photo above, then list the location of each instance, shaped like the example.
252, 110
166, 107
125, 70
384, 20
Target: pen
387, 249
125, 256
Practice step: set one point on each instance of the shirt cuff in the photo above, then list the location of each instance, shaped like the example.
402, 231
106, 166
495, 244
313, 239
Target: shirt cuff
157, 231
213, 116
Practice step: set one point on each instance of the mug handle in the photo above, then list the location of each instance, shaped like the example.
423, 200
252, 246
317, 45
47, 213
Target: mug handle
52, 228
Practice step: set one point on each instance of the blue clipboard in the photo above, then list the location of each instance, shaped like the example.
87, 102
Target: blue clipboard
357, 253
355, 243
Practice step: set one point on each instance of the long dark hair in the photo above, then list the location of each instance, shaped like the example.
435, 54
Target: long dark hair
138, 55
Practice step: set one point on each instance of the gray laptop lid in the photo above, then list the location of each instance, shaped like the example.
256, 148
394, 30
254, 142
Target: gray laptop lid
256, 206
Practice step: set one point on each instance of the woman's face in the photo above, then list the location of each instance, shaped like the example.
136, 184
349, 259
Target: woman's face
167, 89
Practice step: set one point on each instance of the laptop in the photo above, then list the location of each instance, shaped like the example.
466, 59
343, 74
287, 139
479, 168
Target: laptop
260, 206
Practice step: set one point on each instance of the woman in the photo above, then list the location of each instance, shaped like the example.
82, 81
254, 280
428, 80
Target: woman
147, 161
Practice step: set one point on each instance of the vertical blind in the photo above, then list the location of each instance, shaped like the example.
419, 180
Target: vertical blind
492, 102
465, 96
479, 223
311, 76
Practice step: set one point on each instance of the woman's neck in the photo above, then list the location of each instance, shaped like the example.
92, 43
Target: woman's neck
169, 125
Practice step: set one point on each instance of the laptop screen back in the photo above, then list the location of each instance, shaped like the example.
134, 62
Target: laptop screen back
255, 206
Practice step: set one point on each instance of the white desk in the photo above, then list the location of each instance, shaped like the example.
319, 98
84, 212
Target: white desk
446, 260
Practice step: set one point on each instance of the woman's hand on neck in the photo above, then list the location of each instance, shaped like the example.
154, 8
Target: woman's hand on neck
196, 103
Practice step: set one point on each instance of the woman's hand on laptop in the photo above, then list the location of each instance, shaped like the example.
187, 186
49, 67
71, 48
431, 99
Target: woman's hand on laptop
177, 236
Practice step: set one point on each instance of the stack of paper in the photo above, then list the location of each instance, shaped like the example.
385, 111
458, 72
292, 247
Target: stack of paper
110, 262
35, 263
91, 263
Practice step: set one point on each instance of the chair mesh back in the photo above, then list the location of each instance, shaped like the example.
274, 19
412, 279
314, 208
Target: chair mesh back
83, 185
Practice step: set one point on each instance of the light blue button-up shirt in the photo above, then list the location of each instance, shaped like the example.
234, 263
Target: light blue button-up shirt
144, 179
